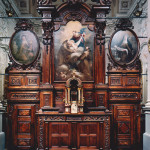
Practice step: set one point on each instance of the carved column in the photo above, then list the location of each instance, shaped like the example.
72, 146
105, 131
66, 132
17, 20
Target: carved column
46, 9
146, 136
100, 52
47, 25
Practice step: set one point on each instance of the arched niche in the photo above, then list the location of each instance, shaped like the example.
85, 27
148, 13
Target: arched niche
74, 100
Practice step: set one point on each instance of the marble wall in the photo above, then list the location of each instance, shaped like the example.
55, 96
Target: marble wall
6, 30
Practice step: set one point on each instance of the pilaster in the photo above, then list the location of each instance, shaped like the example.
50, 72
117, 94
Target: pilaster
146, 136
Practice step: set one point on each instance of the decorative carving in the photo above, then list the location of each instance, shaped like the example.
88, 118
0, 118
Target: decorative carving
93, 118
99, 30
123, 113
24, 142
44, 2
100, 36
135, 65
123, 95
132, 81
48, 28
89, 96
124, 23
55, 118
74, 118
107, 132
59, 96
46, 98
41, 130
115, 81
123, 128
24, 112
73, 16
101, 99
24, 127
23, 24
17, 67
15, 81
32, 81
22, 96
124, 142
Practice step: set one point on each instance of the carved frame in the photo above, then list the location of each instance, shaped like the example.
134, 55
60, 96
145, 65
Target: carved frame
137, 51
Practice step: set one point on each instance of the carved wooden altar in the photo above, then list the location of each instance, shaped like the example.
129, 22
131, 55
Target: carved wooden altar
39, 116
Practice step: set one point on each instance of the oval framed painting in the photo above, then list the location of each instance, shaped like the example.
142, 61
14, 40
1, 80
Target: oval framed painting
24, 47
124, 46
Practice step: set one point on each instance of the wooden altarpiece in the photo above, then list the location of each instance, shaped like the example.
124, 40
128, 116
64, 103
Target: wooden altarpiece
40, 114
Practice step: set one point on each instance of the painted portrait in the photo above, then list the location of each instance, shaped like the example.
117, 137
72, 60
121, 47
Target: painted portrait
24, 46
73, 50
124, 46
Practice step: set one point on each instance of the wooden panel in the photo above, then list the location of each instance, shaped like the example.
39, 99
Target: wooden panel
23, 130
59, 134
87, 134
24, 127
115, 80
32, 80
28, 95
24, 142
46, 99
89, 98
124, 124
132, 81
124, 96
16, 80
101, 98
24, 112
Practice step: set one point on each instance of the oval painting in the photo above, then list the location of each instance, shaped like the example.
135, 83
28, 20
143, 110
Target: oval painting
24, 47
124, 46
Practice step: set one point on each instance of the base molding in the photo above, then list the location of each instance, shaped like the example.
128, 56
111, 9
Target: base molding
2, 140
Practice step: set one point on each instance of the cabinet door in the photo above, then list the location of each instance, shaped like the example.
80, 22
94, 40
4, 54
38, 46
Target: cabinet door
23, 126
124, 125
